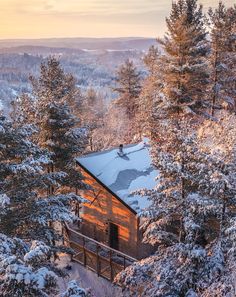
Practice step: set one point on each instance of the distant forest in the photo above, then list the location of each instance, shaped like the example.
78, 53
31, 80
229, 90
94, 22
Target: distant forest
93, 63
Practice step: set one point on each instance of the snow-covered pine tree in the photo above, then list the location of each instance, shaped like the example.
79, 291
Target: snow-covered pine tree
185, 170
125, 107
150, 59
53, 85
183, 65
195, 188
26, 213
191, 209
23, 110
150, 92
54, 95
231, 44
61, 134
220, 137
93, 112
25, 270
223, 57
29, 211
192, 218
129, 86
74, 290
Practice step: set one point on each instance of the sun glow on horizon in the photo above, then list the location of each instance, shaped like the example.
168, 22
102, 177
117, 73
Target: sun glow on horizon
85, 18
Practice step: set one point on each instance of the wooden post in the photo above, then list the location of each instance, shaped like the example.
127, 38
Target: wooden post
110, 261
97, 259
124, 263
49, 187
52, 170
77, 206
84, 252
66, 234
214, 97
63, 233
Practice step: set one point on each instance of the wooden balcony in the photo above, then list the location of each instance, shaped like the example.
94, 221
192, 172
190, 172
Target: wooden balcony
96, 256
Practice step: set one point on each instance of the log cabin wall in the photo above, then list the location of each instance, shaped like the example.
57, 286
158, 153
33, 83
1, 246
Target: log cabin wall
103, 209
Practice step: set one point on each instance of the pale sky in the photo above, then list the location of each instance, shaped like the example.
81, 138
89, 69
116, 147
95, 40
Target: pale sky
86, 18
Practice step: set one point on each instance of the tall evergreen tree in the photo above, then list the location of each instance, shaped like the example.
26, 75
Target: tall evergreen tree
183, 66
190, 220
50, 109
61, 135
223, 57
150, 92
53, 86
192, 214
93, 112
129, 87
28, 213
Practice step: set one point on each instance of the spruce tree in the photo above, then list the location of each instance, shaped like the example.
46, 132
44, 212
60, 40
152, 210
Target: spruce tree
25, 270
28, 213
191, 220
52, 101
129, 87
183, 65
223, 53
150, 92
191, 217
61, 135
53, 86
92, 116
74, 290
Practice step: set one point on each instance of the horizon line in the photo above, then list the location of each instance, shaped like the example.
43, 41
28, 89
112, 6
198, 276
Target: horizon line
78, 37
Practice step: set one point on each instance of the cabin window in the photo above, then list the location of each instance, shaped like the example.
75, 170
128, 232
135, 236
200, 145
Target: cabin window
113, 236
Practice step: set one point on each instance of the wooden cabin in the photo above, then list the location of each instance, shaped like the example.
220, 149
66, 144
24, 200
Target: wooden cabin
111, 215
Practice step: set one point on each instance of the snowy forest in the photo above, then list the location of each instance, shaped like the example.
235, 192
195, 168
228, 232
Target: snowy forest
182, 97
92, 62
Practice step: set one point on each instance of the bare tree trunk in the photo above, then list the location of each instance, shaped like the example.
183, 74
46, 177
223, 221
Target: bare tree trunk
91, 143
52, 170
215, 91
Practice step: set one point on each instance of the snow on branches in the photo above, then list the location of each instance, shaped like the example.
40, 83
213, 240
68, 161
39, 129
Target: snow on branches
191, 221
4, 200
73, 290
23, 270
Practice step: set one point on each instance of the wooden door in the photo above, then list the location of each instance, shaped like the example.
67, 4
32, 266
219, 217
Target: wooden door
113, 236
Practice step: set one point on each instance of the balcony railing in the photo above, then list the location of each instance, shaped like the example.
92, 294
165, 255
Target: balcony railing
96, 256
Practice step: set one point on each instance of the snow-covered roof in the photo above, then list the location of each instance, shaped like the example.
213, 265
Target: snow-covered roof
124, 174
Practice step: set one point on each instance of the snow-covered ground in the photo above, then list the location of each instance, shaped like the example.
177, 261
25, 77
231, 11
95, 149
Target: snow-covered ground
87, 279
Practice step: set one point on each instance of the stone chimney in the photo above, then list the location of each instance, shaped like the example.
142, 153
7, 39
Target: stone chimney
121, 151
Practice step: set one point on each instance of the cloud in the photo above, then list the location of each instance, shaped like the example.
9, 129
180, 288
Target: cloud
86, 7
42, 18
97, 8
